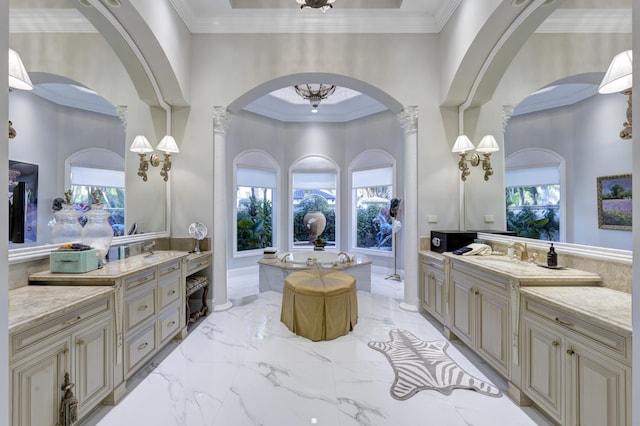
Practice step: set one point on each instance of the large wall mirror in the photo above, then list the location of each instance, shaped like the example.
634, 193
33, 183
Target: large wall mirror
84, 112
556, 128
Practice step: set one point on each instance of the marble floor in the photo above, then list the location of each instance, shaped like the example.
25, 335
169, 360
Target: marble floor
244, 367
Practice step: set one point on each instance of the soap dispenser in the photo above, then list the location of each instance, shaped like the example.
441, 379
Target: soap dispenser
552, 256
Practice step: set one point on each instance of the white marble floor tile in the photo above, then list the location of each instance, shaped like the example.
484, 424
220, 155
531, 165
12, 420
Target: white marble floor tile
244, 367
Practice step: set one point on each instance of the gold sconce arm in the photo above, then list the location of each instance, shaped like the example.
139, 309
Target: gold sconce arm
166, 166
486, 166
143, 167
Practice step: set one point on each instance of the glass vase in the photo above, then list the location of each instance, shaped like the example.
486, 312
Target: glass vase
67, 228
98, 233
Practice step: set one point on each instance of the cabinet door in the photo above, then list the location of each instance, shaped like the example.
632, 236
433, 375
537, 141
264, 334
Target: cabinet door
493, 337
35, 387
463, 311
441, 299
597, 388
542, 367
94, 364
426, 279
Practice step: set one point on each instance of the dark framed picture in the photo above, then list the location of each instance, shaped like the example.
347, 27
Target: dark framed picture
614, 202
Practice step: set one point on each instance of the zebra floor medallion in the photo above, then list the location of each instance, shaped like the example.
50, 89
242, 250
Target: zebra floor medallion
420, 365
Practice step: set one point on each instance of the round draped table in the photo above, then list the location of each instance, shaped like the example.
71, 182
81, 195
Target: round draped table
319, 306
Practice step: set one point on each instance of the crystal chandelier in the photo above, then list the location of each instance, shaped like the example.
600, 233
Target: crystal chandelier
323, 5
314, 93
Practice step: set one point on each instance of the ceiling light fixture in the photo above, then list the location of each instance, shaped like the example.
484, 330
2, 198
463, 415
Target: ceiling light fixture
314, 93
323, 5
619, 79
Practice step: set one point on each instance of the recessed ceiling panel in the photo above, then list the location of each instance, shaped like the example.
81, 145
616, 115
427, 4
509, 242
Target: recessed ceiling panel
342, 4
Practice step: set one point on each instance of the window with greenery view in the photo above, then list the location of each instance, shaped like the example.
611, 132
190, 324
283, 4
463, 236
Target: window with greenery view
314, 193
85, 180
254, 208
372, 193
532, 197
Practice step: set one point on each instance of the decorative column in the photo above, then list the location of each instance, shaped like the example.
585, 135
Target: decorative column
221, 118
409, 121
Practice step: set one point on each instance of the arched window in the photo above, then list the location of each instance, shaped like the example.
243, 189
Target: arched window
97, 168
372, 186
256, 182
533, 188
314, 203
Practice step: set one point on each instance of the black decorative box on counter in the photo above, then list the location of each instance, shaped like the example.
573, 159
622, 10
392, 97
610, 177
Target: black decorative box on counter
442, 241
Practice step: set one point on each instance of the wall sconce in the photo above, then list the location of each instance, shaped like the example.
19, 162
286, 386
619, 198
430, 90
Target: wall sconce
141, 146
486, 146
18, 79
619, 79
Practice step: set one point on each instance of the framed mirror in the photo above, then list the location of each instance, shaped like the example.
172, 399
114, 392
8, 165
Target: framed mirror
551, 117
84, 102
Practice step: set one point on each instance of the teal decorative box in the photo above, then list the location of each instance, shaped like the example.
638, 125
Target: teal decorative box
73, 262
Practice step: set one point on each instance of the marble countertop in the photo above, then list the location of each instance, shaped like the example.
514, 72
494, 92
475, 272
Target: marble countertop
29, 305
336, 265
529, 273
598, 305
112, 270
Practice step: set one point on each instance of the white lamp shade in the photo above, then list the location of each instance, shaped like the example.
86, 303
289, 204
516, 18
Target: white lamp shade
141, 145
619, 76
488, 144
18, 76
462, 145
168, 145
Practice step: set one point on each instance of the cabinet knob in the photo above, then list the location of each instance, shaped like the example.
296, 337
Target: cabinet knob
555, 343
570, 352
142, 308
142, 346
80, 342
477, 292
171, 293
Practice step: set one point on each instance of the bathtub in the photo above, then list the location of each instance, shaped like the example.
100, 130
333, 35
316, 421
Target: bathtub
273, 271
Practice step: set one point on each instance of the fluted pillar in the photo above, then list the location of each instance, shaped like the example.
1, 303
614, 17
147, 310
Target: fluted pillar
221, 119
409, 121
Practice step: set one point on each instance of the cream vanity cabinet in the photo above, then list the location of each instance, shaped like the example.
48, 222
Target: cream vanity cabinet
481, 312
576, 367
149, 306
434, 291
53, 333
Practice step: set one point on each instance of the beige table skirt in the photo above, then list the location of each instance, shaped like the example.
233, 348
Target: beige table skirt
319, 307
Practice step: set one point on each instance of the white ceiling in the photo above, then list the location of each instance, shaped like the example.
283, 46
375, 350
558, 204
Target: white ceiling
347, 16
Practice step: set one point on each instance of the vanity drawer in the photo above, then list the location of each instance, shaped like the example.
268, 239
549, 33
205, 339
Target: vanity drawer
135, 281
138, 307
609, 342
27, 338
169, 323
198, 263
169, 290
138, 347
169, 269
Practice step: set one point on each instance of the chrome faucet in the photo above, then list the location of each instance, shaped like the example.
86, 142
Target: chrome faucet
148, 248
285, 256
522, 249
346, 256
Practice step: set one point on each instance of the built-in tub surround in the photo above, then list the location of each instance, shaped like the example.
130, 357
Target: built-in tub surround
273, 271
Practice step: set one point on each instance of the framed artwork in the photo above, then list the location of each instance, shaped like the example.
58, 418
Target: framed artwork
614, 202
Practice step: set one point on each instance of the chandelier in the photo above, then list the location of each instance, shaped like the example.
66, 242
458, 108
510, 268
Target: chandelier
314, 93
323, 5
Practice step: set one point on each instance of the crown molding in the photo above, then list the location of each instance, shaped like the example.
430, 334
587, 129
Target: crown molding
67, 20
599, 21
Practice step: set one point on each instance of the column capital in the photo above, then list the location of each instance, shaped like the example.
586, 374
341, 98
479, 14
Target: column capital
221, 118
121, 110
409, 118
